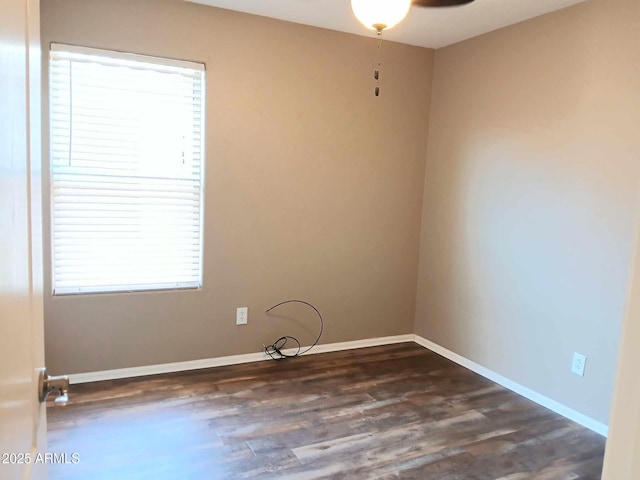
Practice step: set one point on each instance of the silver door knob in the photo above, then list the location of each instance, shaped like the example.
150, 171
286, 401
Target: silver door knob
57, 385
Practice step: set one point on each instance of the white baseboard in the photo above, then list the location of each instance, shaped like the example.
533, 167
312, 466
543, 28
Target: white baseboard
540, 399
76, 378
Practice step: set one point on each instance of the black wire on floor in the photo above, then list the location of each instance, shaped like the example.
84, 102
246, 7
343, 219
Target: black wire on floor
275, 350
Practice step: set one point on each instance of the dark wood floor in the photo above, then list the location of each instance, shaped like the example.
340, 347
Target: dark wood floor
397, 411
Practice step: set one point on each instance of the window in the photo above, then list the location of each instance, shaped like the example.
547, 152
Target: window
127, 171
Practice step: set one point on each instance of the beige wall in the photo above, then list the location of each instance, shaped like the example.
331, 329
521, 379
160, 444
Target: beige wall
530, 197
313, 189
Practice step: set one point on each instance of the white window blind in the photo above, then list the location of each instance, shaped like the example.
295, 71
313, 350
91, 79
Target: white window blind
127, 166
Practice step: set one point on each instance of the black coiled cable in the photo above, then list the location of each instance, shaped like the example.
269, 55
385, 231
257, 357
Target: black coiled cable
275, 350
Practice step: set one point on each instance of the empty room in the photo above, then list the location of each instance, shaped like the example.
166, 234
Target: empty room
311, 239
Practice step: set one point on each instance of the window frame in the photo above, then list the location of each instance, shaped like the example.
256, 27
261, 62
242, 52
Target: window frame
132, 60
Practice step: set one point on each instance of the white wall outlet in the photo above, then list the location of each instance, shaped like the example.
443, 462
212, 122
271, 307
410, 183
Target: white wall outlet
578, 364
242, 315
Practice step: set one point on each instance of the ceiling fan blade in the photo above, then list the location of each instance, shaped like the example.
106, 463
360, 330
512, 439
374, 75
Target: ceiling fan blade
440, 3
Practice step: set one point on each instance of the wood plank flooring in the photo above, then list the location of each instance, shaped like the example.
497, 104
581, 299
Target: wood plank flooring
391, 412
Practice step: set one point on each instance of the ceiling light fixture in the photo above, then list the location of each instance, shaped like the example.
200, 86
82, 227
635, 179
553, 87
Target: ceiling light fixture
379, 15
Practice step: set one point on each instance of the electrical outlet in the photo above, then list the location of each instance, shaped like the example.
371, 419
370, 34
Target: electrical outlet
242, 315
578, 364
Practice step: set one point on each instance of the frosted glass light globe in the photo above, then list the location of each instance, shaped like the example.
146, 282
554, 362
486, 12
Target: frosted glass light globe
380, 14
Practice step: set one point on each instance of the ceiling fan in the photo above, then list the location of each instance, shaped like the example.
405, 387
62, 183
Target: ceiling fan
380, 15
440, 3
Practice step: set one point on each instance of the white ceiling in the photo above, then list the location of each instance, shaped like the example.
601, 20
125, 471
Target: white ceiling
425, 27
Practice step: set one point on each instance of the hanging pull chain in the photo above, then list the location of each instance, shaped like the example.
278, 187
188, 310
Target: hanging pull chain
376, 72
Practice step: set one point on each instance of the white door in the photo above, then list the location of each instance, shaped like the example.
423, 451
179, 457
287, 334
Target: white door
22, 416
622, 458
